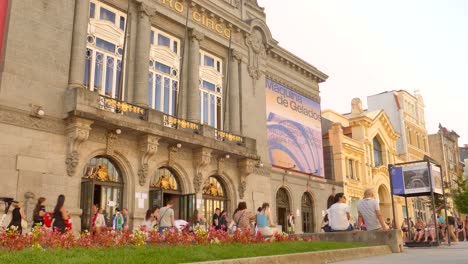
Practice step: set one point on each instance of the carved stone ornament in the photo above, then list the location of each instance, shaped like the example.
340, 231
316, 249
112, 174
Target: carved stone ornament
196, 35
221, 164
201, 159
148, 146
171, 153
257, 51
110, 146
236, 55
77, 132
246, 167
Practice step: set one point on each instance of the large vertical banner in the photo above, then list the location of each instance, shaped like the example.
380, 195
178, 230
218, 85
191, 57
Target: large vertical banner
3, 16
294, 130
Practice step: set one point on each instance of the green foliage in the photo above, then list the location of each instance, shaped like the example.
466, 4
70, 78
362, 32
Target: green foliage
167, 254
461, 194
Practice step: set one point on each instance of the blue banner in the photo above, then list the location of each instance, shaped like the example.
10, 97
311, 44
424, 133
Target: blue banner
398, 182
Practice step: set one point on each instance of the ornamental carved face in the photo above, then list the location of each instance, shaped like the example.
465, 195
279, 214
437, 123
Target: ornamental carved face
256, 39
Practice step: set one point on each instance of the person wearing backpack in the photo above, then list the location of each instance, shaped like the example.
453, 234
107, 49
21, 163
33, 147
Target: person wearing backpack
117, 220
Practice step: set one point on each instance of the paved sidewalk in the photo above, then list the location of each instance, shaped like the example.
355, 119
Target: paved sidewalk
456, 254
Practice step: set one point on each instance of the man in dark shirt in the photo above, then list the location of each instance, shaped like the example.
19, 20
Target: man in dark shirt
215, 220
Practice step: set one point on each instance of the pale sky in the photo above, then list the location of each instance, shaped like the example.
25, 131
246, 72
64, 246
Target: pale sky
370, 46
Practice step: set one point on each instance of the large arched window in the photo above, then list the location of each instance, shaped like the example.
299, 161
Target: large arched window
102, 186
164, 68
211, 90
105, 39
378, 157
214, 196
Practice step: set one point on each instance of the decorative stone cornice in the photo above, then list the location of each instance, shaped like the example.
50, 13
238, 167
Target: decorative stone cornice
145, 10
77, 131
24, 119
201, 159
148, 146
246, 167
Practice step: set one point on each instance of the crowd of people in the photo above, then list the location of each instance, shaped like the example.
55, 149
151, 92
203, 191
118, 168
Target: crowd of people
447, 225
59, 219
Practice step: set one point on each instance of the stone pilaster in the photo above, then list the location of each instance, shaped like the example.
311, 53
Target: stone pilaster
234, 96
142, 55
193, 102
77, 132
78, 48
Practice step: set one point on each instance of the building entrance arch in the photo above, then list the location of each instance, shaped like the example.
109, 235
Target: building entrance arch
214, 196
101, 187
165, 186
307, 209
282, 208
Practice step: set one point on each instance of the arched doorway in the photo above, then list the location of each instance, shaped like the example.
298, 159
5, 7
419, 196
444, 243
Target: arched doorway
307, 208
165, 186
282, 208
102, 185
384, 201
214, 196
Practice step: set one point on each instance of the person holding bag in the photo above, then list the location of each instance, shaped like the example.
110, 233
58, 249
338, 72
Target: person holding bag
243, 218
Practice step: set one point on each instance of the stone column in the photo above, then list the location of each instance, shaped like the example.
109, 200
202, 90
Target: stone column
142, 56
78, 48
234, 102
193, 102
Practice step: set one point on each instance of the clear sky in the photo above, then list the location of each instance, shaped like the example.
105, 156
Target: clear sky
370, 46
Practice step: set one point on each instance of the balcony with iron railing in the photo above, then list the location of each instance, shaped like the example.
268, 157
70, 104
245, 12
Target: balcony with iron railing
109, 112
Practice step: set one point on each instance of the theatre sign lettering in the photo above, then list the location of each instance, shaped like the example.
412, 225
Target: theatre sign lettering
199, 17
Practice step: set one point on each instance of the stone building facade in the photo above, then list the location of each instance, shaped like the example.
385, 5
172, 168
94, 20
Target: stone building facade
406, 112
361, 144
445, 151
130, 104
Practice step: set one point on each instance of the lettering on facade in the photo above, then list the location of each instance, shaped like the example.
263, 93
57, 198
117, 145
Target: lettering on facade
199, 18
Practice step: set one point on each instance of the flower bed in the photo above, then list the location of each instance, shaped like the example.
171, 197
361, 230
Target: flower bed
42, 238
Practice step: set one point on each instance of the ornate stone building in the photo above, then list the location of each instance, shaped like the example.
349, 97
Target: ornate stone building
406, 112
132, 103
359, 147
445, 151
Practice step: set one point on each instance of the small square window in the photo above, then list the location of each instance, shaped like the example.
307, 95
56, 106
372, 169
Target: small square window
209, 61
164, 41
209, 86
175, 47
107, 15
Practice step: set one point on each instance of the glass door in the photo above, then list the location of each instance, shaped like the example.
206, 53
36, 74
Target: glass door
155, 198
111, 198
87, 197
187, 206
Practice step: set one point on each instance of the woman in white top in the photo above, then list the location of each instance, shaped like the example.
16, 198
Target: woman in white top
100, 221
149, 220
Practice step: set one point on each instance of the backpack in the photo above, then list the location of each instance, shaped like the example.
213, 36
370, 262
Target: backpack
47, 219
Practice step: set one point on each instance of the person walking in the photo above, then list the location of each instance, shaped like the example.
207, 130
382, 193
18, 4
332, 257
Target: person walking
339, 214
215, 219
17, 217
125, 218
369, 210
100, 222
291, 224
117, 220
39, 212
223, 221
148, 223
60, 215
167, 217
